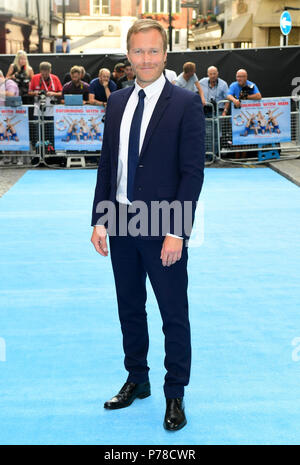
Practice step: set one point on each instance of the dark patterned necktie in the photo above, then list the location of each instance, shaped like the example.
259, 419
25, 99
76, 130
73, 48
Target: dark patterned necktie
134, 144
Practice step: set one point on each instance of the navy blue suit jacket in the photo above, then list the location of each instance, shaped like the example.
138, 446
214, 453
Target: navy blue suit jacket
171, 162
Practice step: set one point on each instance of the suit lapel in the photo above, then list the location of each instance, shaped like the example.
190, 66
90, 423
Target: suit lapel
158, 112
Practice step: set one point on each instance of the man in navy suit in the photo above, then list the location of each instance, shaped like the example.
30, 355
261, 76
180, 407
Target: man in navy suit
152, 154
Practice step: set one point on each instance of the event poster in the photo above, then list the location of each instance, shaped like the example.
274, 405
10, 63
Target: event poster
14, 129
78, 128
263, 121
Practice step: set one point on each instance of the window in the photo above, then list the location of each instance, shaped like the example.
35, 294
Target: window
161, 6
100, 7
177, 6
177, 37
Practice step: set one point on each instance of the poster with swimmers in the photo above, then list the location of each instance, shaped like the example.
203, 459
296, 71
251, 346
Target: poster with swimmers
263, 121
14, 129
78, 128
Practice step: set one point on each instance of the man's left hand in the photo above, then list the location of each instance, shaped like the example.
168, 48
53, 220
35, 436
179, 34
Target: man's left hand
171, 250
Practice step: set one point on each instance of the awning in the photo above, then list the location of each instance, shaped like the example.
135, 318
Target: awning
207, 37
239, 30
269, 12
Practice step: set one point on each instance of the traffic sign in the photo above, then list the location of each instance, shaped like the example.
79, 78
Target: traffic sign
285, 23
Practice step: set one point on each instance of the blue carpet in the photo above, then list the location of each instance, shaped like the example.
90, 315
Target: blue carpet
58, 318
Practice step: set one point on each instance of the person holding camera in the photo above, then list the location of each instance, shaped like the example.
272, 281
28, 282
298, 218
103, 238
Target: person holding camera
22, 73
241, 89
46, 88
47, 91
214, 88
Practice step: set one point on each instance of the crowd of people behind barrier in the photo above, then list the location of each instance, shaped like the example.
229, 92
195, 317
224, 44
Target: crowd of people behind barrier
45, 86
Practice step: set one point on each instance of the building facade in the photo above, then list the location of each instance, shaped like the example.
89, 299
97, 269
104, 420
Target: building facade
29, 25
207, 25
256, 23
94, 25
181, 19
242, 24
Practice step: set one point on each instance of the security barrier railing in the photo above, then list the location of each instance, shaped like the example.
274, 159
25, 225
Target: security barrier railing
218, 142
228, 152
210, 133
9, 134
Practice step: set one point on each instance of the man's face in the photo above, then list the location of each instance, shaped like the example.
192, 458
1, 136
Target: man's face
189, 74
241, 77
75, 78
104, 76
45, 73
212, 74
147, 56
119, 73
129, 73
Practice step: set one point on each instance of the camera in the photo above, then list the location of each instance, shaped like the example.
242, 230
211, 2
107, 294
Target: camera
42, 97
53, 101
245, 91
22, 79
214, 103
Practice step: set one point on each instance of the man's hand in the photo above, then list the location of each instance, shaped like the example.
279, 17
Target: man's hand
98, 239
171, 250
105, 82
236, 103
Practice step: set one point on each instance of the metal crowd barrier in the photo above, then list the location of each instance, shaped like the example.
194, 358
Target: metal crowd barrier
210, 133
54, 158
226, 149
218, 142
28, 158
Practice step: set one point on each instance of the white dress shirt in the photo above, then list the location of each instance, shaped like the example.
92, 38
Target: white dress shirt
152, 92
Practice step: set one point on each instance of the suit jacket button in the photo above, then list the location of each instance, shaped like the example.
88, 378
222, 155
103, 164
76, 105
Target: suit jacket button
141, 166
139, 188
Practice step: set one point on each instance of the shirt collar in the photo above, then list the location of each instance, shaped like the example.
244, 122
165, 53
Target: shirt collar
216, 84
154, 88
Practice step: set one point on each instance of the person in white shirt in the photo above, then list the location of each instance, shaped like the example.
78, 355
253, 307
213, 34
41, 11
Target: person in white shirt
153, 150
170, 75
188, 80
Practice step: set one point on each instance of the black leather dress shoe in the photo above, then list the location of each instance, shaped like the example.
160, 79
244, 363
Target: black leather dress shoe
127, 394
174, 417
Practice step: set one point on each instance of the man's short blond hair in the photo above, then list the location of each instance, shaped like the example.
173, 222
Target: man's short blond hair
75, 69
189, 66
102, 70
142, 25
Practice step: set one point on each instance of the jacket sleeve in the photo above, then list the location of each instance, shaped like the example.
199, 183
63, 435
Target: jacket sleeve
191, 162
102, 189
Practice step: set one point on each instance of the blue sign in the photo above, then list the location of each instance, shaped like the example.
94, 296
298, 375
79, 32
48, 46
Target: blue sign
14, 129
265, 121
285, 23
78, 127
